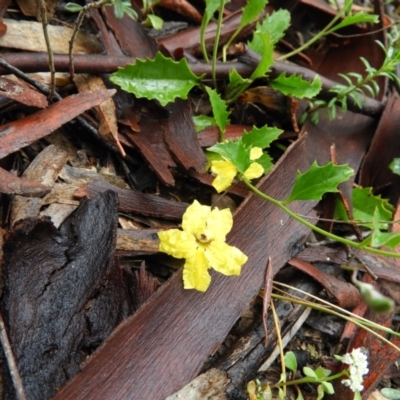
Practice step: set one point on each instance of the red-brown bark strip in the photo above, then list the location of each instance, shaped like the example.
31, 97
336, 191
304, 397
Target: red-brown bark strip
18, 134
164, 345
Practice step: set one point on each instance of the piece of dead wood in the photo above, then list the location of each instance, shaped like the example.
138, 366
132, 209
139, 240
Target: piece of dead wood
137, 242
44, 169
11, 184
21, 133
137, 202
180, 328
64, 292
346, 294
248, 355
28, 35
21, 92
385, 146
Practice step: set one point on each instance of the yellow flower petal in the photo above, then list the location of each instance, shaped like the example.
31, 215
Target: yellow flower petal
225, 172
255, 152
219, 222
177, 243
254, 171
224, 258
195, 217
195, 272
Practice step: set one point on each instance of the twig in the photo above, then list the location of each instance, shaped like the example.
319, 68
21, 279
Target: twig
78, 23
43, 17
267, 297
12, 364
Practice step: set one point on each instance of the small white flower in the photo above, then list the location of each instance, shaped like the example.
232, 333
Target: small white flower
358, 366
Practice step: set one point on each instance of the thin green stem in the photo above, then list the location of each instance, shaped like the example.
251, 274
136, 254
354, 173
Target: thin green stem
339, 239
216, 42
308, 379
326, 31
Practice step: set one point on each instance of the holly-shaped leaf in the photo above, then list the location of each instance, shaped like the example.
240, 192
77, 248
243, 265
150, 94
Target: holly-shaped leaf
162, 79
295, 85
266, 49
261, 137
266, 162
251, 11
275, 25
364, 205
235, 152
219, 108
236, 80
379, 238
319, 180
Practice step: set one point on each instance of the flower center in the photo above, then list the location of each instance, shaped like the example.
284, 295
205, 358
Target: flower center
203, 238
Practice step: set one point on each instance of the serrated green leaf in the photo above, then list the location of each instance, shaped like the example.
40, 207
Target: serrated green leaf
219, 108
307, 371
295, 85
266, 49
211, 7
319, 180
162, 79
266, 162
235, 152
364, 206
73, 7
395, 166
261, 137
202, 122
391, 394
235, 80
251, 11
357, 18
275, 25
379, 238
291, 361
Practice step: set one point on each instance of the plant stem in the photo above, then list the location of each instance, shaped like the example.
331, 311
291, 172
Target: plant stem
216, 42
348, 242
326, 31
308, 379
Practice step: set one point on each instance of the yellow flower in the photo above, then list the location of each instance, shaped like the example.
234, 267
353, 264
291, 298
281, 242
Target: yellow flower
202, 243
226, 171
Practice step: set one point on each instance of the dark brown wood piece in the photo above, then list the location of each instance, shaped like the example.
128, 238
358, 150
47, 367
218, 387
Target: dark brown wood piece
165, 344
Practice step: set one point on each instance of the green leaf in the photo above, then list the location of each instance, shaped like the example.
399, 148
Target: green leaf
73, 7
392, 394
261, 137
364, 205
118, 9
251, 11
202, 122
291, 361
375, 300
307, 371
266, 49
235, 80
319, 180
266, 162
275, 25
235, 152
219, 108
154, 21
395, 166
295, 85
357, 18
162, 79
328, 387
322, 372
379, 238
